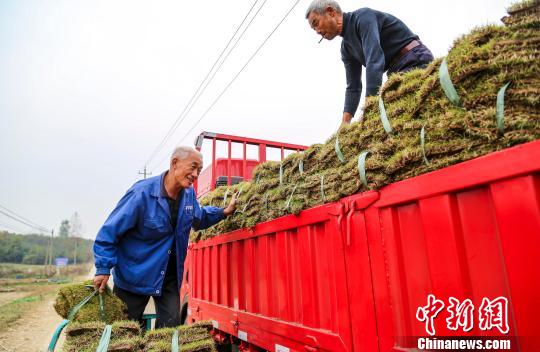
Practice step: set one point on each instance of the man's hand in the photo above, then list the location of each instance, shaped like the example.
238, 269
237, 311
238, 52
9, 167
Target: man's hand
347, 117
100, 282
229, 210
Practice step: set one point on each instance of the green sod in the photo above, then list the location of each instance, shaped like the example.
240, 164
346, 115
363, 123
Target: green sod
85, 337
479, 64
126, 336
70, 295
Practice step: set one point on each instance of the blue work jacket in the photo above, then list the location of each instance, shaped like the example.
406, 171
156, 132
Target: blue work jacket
136, 239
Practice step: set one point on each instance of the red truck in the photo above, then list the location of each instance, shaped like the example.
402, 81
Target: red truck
447, 258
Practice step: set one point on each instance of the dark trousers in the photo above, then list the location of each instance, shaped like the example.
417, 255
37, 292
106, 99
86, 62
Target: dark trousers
418, 57
167, 305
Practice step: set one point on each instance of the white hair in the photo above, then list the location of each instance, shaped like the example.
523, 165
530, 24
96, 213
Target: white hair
182, 152
319, 6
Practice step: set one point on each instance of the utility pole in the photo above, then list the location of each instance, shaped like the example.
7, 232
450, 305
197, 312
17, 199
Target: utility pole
51, 250
46, 264
75, 251
144, 172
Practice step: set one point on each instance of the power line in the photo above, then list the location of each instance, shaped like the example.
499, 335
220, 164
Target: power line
22, 220
183, 114
218, 68
216, 71
22, 217
236, 76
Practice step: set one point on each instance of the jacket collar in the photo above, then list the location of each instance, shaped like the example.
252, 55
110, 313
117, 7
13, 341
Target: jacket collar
157, 185
345, 24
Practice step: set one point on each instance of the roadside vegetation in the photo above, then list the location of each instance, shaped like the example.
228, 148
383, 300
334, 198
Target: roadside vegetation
23, 287
32, 249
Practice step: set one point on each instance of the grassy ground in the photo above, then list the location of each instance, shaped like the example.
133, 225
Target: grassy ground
12, 311
24, 287
27, 271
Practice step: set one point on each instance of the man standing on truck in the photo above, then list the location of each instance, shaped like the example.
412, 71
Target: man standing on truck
374, 39
144, 240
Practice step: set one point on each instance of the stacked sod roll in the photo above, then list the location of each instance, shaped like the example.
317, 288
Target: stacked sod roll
70, 295
417, 124
85, 330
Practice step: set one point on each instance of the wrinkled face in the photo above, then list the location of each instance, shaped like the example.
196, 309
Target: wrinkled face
186, 171
325, 24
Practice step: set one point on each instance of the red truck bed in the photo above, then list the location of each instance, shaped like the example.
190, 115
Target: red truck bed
353, 275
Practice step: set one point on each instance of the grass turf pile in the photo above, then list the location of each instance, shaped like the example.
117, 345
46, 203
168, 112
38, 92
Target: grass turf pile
85, 337
191, 338
479, 64
70, 295
126, 336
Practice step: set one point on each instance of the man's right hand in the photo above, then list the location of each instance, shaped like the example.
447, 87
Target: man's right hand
347, 117
100, 282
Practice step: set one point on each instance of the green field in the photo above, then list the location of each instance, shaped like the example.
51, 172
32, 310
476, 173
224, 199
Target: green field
24, 286
29, 271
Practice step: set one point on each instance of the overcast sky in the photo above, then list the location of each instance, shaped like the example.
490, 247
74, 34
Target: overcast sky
89, 88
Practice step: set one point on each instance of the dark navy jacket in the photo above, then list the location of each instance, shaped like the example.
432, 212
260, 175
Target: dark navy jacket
136, 239
372, 39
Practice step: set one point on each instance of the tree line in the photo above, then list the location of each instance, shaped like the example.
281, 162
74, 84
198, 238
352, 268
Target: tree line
32, 249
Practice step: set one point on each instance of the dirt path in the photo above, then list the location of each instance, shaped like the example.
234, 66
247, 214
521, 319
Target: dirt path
33, 331
6, 297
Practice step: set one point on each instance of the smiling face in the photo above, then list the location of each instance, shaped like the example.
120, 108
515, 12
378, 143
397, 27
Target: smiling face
328, 24
186, 171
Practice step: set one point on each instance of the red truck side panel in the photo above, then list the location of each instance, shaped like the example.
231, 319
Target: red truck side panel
288, 278
350, 276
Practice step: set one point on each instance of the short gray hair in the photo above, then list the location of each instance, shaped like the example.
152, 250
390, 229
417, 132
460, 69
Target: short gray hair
319, 6
182, 152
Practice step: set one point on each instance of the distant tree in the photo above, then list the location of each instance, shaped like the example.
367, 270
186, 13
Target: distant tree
75, 225
34, 254
31, 249
64, 229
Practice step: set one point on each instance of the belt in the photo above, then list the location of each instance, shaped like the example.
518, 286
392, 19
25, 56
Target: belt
404, 51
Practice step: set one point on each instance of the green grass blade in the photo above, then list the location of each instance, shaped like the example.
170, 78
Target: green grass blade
384, 118
446, 84
500, 109
105, 339
281, 173
56, 335
338, 151
76, 308
225, 197
322, 188
290, 197
362, 168
240, 191
102, 313
174, 342
246, 206
423, 145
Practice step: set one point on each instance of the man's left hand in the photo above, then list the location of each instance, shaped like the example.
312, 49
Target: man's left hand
229, 210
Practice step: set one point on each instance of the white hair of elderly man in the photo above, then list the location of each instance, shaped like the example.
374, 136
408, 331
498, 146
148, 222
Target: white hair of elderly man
319, 6
183, 152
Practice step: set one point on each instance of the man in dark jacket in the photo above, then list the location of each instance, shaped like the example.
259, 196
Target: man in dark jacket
144, 240
374, 39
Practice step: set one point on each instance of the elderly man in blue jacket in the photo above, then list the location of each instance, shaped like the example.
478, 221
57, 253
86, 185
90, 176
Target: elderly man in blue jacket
374, 39
144, 240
